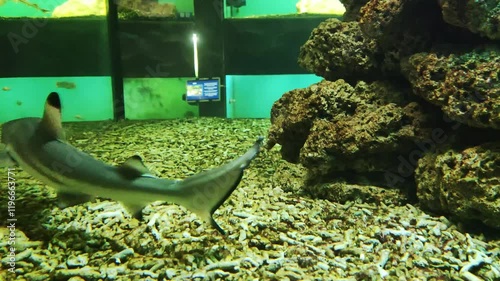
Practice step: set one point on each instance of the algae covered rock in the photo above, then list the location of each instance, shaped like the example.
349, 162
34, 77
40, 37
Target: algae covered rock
465, 86
338, 49
333, 7
75, 8
343, 193
145, 8
333, 126
400, 27
481, 17
465, 184
352, 8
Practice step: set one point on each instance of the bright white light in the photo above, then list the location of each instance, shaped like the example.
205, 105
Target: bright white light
195, 50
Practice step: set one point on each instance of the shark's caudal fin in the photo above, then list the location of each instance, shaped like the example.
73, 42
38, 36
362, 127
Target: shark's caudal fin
206, 191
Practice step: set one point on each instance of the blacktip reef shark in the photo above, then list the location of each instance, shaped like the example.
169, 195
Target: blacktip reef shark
39, 147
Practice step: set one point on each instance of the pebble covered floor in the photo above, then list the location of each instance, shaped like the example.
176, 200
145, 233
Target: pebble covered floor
274, 232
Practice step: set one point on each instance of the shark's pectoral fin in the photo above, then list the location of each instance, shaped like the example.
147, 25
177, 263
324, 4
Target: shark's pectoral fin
134, 209
6, 160
68, 199
133, 167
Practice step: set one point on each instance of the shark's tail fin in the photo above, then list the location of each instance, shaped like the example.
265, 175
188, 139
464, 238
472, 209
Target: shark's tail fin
204, 192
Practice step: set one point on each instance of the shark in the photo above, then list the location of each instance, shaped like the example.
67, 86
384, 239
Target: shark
39, 147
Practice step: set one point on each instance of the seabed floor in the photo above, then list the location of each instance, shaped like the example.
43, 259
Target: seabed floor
274, 232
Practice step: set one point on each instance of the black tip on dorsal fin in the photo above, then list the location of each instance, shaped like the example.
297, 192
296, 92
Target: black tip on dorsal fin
54, 100
52, 120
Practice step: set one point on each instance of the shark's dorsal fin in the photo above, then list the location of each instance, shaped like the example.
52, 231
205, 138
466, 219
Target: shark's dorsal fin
52, 121
133, 167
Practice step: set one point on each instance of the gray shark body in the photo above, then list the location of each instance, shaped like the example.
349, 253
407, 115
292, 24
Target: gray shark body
38, 146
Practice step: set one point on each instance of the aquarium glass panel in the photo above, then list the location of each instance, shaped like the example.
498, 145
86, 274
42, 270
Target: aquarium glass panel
252, 96
266, 8
157, 98
83, 98
52, 8
183, 7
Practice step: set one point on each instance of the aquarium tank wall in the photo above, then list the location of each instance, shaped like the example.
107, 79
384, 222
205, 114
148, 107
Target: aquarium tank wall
264, 8
384, 166
132, 60
32, 28
252, 96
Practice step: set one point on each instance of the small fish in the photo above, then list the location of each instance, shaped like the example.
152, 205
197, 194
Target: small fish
79, 117
65, 85
39, 146
5, 89
19, 102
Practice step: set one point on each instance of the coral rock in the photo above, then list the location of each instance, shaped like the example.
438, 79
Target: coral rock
343, 193
334, 7
352, 8
332, 126
480, 16
75, 8
134, 8
466, 87
462, 183
401, 27
338, 49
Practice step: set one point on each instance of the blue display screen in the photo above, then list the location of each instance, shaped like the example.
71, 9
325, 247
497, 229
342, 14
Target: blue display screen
203, 90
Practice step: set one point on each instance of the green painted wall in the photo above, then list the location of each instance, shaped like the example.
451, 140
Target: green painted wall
252, 96
157, 98
90, 100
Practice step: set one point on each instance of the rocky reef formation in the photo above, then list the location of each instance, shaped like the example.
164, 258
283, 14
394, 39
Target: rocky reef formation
463, 183
145, 8
337, 127
407, 85
333, 7
481, 17
332, 53
79, 8
466, 87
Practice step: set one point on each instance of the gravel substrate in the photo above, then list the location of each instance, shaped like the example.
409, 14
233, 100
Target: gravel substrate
274, 232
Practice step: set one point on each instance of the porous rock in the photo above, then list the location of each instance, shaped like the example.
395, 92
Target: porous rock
352, 8
400, 27
144, 8
338, 49
465, 86
332, 126
481, 16
344, 193
463, 183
